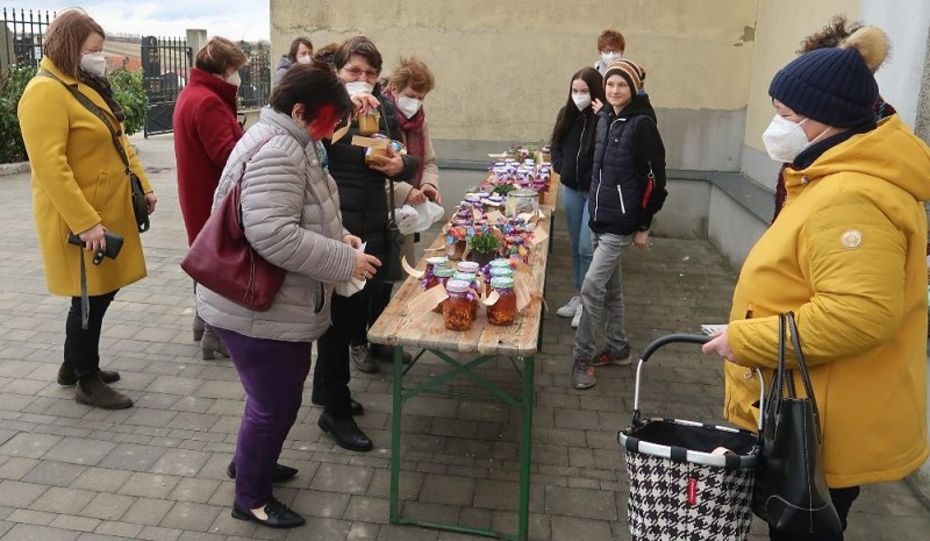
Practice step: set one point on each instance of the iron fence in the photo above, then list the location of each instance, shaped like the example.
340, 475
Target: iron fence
21, 36
256, 79
166, 64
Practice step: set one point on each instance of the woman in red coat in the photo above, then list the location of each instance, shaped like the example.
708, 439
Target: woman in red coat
205, 131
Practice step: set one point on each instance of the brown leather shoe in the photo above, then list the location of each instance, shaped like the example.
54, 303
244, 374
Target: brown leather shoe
91, 390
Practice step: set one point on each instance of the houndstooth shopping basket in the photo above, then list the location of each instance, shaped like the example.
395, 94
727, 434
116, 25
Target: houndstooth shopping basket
680, 489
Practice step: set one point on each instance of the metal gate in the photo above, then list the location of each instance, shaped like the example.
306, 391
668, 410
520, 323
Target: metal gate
166, 64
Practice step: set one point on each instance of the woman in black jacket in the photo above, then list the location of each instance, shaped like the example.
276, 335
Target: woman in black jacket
572, 155
363, 202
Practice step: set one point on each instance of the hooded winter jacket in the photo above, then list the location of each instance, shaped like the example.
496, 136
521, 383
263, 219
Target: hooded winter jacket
628, 177
283, 65
848, 256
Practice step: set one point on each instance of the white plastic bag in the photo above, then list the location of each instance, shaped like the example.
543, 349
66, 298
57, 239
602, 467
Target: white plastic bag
406, 217
353, 286
428, 214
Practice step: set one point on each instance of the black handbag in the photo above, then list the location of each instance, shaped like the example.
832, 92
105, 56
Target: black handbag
791, 492
139, 205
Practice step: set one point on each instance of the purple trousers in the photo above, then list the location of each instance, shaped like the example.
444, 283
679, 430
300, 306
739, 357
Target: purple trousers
273, 374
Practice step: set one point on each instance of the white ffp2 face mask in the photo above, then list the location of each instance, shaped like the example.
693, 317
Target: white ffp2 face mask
94, 63
306, 59
784, 139
234, 79
408, 106
358, 87
607, 58
582, 101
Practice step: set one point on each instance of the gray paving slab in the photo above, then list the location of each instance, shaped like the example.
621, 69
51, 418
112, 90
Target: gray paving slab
157, 471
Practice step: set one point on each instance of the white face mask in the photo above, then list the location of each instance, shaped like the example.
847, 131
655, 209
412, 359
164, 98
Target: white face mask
784, 139
582, 101
234, 79
607, 58
94, 63
408, 106
304, 59
358, 87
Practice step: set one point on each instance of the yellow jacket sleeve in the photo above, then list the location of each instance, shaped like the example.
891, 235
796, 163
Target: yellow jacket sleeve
854, 260
45, 125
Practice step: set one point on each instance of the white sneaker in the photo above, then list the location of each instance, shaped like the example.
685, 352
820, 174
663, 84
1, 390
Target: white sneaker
570, 308
576, 320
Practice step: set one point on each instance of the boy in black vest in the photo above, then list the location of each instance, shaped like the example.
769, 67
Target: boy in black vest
627, 189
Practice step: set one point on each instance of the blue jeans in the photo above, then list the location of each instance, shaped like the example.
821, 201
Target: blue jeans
576, 215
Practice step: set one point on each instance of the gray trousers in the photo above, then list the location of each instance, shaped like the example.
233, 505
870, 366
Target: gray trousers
602, 297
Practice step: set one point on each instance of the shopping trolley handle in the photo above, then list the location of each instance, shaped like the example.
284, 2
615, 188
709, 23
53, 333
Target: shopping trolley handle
673, 339
654, 346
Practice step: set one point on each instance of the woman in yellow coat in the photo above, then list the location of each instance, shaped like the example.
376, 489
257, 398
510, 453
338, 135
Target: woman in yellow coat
848, 256
80, 186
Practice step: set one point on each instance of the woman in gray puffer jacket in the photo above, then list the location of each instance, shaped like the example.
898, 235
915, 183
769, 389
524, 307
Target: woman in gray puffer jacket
290, 215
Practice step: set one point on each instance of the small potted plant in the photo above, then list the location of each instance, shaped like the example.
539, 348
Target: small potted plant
484, 246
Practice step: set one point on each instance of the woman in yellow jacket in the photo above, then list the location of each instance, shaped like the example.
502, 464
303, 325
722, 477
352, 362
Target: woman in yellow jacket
80, 186
847, 255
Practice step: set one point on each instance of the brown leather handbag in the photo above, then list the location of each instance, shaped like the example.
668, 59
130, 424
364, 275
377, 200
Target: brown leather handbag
222, 260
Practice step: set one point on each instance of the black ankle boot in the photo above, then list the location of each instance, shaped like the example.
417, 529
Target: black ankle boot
346, 433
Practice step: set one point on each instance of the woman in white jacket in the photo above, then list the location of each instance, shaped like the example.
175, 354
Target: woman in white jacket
290, 215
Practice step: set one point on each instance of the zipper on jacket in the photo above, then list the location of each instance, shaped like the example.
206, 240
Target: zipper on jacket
584, 126
600, 172
622, 204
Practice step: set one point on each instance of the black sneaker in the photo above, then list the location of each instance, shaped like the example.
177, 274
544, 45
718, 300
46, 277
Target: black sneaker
279, 515
281, 472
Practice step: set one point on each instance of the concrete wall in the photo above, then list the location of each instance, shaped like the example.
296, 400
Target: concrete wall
900, 76
503, 68
780, 27
684, 215
732, 228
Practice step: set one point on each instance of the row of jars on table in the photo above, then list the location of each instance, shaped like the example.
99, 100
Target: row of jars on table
461, 283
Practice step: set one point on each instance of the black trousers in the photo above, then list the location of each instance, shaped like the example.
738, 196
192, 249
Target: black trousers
82, 347
331, 373
842, 499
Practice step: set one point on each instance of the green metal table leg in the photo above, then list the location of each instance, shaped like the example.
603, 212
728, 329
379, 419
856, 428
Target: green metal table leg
526, 444
397, 397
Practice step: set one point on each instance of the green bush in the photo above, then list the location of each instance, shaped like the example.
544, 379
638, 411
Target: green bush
12, 82
128, 90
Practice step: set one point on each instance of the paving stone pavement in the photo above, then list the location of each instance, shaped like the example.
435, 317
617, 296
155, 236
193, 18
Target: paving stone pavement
157, 471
